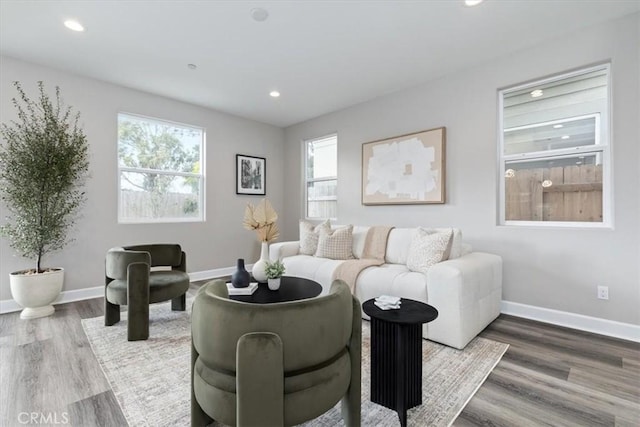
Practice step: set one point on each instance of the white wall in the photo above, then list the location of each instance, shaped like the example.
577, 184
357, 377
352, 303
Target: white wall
215, 243
553, 268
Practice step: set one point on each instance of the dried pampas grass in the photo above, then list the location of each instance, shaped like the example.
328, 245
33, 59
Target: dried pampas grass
262, 218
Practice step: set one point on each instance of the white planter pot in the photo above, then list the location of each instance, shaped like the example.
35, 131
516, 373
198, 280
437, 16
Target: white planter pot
274, 284
36, 292
257, 271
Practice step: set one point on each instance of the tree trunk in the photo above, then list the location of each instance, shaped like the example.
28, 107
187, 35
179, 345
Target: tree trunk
38, 261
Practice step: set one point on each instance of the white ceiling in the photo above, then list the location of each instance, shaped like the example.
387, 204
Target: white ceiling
321, 55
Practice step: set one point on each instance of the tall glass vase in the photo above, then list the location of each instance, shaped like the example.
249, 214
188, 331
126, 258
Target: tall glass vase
258, 268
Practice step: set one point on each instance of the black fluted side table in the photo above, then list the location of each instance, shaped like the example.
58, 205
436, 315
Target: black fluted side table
396, 354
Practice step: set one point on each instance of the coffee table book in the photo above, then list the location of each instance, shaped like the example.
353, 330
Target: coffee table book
249, 290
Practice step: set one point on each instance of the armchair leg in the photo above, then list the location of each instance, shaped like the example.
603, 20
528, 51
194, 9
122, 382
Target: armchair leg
179, 303
199, 418
111, 313
138, 302
138, 326
350, 409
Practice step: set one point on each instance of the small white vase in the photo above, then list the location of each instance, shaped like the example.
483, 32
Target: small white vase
36, 292
274, 284
257, 271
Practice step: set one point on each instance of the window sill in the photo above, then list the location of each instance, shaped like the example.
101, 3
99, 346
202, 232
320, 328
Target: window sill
558, 225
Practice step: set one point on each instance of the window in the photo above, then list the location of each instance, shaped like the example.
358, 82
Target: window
160, 171
321, 181
555, 151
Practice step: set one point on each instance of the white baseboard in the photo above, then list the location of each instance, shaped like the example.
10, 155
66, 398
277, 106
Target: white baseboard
215, 273
581, 322
10, 305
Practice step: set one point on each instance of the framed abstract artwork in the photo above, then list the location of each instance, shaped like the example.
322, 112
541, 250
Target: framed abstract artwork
406, 169
251, 175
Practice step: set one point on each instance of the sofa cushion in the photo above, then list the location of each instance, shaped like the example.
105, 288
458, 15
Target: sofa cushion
391, 279
309, 235
336, 244
359, 237
456, 244
398, 245
466, 249
428, 247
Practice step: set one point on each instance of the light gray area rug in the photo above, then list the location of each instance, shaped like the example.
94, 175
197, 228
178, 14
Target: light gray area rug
151, 378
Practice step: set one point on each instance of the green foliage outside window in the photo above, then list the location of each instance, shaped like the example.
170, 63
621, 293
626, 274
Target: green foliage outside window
151, 147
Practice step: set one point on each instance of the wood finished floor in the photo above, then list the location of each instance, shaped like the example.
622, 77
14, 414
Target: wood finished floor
550, 376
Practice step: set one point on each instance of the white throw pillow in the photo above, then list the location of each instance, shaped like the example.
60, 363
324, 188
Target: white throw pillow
309, 235
428, 247
455, 246
336, 244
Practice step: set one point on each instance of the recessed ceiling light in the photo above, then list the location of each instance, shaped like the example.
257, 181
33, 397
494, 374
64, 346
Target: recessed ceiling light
274, 94
192, 66
472, 2
557, 126
536, 93
73, 25
259, 14
565, 137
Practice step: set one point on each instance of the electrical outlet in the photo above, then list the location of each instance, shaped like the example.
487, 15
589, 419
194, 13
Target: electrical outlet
603, 292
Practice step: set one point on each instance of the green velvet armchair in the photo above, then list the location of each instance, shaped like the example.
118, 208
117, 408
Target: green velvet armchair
129, 281
274, 364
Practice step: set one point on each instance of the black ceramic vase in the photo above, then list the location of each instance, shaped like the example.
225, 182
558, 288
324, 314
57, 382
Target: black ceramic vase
240, 278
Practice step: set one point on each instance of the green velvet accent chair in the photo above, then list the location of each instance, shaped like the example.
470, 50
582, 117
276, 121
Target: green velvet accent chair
129, 281
275, 364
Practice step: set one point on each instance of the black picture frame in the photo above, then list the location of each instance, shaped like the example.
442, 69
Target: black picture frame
251, 175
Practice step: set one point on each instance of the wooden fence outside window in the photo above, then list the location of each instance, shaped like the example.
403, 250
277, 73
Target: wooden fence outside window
570, 193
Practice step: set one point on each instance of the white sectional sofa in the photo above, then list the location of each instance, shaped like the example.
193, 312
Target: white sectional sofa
466, 289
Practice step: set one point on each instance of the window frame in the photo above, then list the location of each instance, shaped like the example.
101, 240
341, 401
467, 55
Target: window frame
603, 123
201, 175
307, 180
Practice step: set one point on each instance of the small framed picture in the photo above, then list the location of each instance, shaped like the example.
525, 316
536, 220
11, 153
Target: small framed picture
251, 175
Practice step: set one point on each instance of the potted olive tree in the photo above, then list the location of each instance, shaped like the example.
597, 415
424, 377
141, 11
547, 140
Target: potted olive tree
43, 167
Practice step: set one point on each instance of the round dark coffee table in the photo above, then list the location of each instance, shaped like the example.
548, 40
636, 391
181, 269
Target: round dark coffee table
396, 354
291, 289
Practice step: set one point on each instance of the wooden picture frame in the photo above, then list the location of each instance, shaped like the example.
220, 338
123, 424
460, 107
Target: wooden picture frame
405, 169
251, 175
